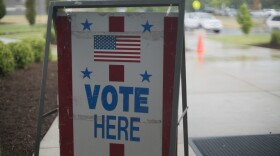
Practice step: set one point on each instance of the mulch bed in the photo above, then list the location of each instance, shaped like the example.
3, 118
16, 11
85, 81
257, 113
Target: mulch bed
19, 102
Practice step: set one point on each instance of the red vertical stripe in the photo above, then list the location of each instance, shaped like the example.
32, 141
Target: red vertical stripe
116, 73
170, 31
64, 50
116, 149
116, 24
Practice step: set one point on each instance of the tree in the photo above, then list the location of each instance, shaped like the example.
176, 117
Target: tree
244, 19
2, 9
270, 4
30, 11
256, 4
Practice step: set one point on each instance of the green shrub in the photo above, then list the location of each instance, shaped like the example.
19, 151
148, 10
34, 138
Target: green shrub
7, 62
30, 12
275, 37
38, 47
244, 19
2, 9
52, 37
50, 55
22, 53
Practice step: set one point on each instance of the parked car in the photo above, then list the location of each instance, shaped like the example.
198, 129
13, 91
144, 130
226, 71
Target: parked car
258, 14
269, 12
230, 12
273, 22
191, 21
202, 20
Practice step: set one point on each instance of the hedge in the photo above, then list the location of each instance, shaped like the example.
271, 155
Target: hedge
22, 53
7, 62
37, 46
52, 37
275, 37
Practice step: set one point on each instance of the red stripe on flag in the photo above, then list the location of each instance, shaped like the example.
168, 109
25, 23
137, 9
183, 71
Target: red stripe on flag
105, 52
114, 56
128, 37
120, 40
109, 60
116, 24
170, 31
116, 149
65, 99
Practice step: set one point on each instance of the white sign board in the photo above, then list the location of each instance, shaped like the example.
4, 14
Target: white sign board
117, 70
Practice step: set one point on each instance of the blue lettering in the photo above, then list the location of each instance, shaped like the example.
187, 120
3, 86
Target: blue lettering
109, 106
141, 100
126, 91
134, 128
126, 127
101, 126
110, 102
109, 126
122, 128
92, 98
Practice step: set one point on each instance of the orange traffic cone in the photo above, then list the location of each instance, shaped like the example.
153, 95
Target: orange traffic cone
200, 48
200, 57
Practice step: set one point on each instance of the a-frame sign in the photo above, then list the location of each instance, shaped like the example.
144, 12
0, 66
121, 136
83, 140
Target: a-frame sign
118, 79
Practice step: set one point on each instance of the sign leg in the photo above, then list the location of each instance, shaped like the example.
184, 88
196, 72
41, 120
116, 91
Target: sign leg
184, 100
43, 84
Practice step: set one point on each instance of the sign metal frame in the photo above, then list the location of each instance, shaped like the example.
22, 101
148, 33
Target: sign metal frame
180, 68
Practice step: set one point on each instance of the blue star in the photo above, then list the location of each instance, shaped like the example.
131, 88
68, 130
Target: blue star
86, 25
86, 73
146, 76
147, 27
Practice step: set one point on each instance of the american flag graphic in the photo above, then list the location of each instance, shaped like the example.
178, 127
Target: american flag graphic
117, 48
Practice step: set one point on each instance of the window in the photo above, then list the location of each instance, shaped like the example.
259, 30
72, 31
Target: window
276, 18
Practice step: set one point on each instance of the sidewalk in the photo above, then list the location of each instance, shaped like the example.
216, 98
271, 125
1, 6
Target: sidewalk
7, 40
235, 91
50, 144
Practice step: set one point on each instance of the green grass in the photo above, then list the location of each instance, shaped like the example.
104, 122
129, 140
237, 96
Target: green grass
16, 31
22, 31
242, 39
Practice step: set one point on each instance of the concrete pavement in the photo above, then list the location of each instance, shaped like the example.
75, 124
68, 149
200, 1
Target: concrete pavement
234, 91
7, 40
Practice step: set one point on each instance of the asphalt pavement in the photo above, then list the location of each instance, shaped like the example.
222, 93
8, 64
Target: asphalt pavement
231, 90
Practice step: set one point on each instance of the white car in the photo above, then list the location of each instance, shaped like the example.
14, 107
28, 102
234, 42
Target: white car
269, 12
191, 21
273, 22
202, 20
